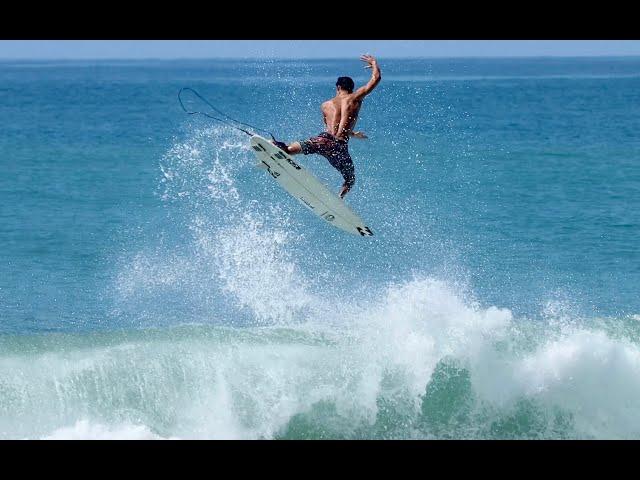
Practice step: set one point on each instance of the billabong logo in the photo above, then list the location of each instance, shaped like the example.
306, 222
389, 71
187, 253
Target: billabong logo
365, 232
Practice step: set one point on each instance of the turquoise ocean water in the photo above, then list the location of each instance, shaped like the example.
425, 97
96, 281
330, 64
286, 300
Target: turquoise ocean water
154, 284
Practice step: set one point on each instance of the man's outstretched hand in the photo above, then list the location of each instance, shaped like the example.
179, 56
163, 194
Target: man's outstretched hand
360, 135
369, 60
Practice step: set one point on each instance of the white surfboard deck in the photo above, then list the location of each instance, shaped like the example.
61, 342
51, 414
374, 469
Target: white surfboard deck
306, 188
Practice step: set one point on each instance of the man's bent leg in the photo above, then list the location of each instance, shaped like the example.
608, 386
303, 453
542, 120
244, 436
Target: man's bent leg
349, 180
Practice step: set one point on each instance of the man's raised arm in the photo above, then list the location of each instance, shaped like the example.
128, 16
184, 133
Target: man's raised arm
372, 63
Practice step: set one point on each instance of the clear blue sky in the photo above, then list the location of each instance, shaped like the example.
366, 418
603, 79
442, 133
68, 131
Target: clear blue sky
168, 49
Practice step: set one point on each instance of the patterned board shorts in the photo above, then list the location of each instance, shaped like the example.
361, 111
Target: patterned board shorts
335, 151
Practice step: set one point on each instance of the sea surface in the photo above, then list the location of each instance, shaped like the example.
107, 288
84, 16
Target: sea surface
155, 284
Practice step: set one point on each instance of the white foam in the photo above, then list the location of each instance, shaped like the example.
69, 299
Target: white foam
595, 377
204, 166
414, 326
587, 374
252, 383
256, 267
85, 430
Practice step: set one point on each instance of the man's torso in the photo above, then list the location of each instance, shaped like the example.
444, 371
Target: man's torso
341, 112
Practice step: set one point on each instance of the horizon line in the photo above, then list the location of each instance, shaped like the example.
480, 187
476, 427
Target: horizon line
173, 59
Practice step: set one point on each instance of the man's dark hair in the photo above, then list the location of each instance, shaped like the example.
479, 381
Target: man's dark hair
345, 83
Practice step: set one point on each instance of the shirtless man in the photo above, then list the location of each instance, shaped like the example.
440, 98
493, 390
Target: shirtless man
340, 115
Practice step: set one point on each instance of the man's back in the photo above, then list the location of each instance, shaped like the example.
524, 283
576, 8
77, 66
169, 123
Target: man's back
341, 114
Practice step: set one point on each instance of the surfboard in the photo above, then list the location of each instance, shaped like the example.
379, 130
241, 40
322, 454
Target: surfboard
306, 188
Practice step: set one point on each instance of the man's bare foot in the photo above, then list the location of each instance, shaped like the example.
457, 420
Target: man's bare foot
281, 145
360, 135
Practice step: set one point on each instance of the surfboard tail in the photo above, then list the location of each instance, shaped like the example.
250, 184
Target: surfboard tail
365, 231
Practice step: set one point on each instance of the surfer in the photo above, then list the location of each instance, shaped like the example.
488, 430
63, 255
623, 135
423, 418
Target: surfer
340, 115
